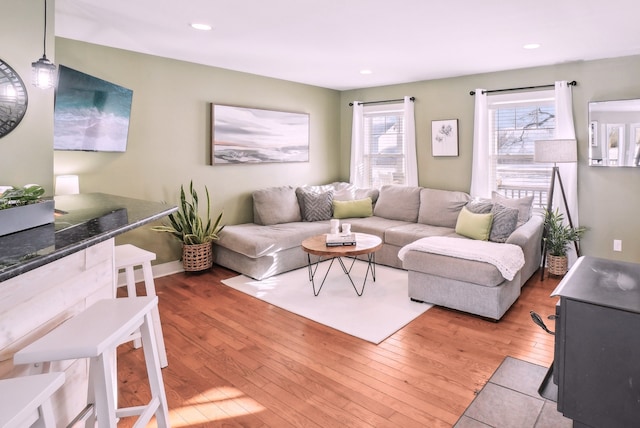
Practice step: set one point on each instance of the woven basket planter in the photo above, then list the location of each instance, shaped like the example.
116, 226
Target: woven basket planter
557, 265
197, 257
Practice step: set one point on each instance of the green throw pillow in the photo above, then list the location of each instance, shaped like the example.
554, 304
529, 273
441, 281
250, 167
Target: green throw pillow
474, 226
354, 208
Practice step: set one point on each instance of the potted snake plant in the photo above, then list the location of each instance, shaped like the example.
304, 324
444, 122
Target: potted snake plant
196, 232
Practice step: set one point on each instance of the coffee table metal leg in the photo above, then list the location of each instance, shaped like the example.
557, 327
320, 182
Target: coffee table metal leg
313, 267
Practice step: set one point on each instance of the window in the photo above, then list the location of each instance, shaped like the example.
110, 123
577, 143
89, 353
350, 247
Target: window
516, 121
384, 155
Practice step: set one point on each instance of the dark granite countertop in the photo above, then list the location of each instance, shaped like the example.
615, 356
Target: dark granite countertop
80, 221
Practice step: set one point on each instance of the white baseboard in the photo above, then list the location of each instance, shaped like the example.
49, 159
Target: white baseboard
159, 270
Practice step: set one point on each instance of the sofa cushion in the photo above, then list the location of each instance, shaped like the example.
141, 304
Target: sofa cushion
254, 241
441, 207
354, 208
374, 225
522, 204
404, 234
474, 226
505, 221
398, 203
275, 205
315, 203
472, 271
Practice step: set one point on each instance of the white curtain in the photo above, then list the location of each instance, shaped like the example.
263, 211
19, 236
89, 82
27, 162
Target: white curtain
410, 143
568, 171
356, 170
480, 168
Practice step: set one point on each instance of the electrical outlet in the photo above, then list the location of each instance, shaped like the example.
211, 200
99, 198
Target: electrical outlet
617, 245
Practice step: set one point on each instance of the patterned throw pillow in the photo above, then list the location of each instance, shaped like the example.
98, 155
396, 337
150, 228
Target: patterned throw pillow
317, 206
479, 206
522, 204
505, 221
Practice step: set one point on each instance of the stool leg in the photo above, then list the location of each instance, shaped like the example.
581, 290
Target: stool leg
154, 371
131, 292
101, 381
150, 288
47, 418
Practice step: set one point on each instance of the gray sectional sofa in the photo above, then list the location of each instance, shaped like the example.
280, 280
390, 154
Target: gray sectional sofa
400, 216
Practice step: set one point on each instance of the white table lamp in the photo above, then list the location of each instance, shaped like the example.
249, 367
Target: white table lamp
67, 185
555, 151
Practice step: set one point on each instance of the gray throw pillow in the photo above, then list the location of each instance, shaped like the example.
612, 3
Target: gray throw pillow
317, 206
505, 221
481, 206
522, 204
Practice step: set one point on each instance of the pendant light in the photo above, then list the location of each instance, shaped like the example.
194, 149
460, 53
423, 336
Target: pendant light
43, 70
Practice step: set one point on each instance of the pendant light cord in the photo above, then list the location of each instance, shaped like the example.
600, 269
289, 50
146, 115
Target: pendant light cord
44, 38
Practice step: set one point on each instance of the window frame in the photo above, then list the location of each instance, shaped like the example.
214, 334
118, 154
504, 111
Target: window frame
536, 186
384, 110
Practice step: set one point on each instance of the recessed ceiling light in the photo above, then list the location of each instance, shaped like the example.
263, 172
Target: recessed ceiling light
198, 26
532, 46
366, 71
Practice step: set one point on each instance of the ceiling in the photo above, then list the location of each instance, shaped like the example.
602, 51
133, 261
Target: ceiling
328, 42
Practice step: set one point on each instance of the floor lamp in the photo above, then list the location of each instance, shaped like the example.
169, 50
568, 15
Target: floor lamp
555, 151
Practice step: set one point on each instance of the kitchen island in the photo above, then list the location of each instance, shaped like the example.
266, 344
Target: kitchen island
52, 272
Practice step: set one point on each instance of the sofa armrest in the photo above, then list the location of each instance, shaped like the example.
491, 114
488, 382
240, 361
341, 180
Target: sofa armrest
532, 229
529, 238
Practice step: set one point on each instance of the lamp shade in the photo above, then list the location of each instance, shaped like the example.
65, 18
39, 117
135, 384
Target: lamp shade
555, 151
67, 185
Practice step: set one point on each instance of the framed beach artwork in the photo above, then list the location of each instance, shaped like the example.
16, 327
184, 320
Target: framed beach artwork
250, 135
444, 137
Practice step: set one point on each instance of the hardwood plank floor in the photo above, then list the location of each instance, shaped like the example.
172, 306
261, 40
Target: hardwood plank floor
235, 361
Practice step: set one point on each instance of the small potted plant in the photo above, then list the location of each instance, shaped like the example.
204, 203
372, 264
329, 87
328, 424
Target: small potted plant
23, 208
195, 232
559, 236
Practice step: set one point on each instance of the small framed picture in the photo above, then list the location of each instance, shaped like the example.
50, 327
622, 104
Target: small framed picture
444, 137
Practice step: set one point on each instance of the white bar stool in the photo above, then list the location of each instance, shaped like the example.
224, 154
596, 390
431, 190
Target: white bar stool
127, 257
95, 334
26, 400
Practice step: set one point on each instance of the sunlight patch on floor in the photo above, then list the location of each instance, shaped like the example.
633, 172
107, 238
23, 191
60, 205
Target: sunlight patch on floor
215, 404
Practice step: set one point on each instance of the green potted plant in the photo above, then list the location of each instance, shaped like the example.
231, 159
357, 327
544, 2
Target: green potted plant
195, 232
23, 208
559, 236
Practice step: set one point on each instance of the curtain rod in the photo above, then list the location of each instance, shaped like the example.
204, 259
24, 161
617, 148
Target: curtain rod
382, 101
572, 83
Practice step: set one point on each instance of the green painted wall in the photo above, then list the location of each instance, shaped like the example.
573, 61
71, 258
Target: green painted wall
26, 154
170, 133
609, 198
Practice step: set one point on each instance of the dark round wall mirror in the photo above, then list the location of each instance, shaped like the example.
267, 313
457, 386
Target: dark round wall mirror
13, 99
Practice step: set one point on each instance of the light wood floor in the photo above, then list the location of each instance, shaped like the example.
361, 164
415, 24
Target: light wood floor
235, 361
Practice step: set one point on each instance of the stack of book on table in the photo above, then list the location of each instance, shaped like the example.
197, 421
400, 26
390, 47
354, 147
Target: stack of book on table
339, 239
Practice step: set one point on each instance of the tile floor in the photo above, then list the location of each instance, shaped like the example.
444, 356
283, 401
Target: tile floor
511, 399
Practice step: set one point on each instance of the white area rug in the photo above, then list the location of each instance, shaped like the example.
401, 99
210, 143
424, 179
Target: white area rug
383, 308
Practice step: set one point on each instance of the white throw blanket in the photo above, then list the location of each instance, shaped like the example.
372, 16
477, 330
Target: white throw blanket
507, 258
